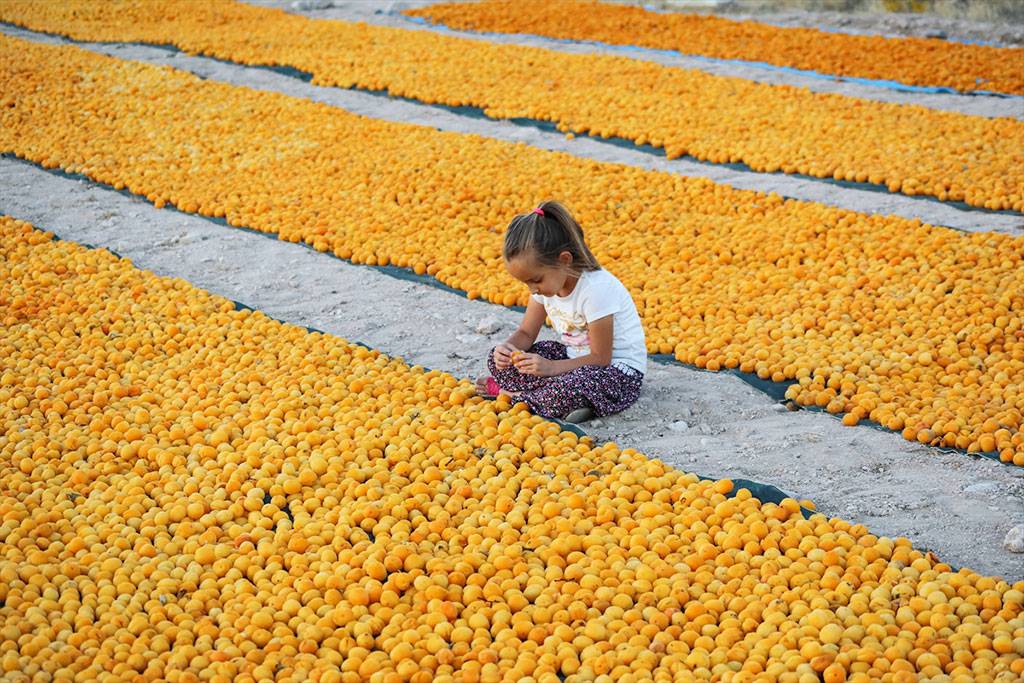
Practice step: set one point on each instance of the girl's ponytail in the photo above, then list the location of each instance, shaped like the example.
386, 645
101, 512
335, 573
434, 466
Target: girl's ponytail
547, 231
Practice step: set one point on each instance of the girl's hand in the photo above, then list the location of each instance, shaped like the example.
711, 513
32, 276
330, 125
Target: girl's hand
503, 355
533, 364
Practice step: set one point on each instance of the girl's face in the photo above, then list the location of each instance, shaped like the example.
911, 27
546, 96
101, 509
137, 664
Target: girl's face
556, 280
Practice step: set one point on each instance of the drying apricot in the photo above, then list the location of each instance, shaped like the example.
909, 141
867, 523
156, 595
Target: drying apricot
881, 318
915, 61
770, 128
393, 561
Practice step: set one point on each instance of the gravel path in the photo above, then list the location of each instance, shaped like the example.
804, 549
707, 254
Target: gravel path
896, 24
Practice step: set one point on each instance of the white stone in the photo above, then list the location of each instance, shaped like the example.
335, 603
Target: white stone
312, 4
1014, 541
986, 486
680, 426
488, 325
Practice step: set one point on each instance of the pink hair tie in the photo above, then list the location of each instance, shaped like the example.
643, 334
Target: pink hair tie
539, 211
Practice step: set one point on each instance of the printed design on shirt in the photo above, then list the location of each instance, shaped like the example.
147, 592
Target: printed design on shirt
573, 329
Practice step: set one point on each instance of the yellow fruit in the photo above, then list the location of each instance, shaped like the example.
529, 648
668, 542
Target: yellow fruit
917, 61
884, 371
205, 555
911, 149
834, 674
354, 523
711, 268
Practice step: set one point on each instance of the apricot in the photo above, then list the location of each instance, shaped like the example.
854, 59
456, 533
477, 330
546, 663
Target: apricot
910, 149
436, 540
711, 268
916, 61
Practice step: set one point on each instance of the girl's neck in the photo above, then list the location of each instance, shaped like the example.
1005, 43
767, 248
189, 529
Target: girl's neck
570, 284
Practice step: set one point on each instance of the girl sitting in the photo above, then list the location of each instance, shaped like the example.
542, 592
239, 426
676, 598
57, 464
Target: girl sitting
598, 366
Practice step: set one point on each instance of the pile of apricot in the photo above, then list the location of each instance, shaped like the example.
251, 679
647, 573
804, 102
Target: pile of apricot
770, 128
195, 493
915, 61
915, 327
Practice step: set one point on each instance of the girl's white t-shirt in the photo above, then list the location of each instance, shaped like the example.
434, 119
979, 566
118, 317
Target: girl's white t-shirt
598, 294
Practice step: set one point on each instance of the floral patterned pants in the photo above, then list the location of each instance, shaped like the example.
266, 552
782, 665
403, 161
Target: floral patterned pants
604, 389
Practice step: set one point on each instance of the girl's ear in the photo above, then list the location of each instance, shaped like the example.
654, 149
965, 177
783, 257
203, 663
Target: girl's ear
565, 258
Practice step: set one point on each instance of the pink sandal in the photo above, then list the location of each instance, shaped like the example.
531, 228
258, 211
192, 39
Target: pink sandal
493, 389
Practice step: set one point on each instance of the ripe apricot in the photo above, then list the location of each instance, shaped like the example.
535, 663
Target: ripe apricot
392, 561
916, 61
914, 150
950, 354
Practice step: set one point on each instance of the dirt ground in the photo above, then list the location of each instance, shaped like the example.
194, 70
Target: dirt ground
712, 424
997, 21
923, 25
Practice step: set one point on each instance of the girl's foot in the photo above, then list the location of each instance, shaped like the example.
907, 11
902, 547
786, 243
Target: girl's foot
487, 387
579, 415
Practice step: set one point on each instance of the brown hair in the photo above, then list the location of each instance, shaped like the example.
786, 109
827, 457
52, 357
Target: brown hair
547, 235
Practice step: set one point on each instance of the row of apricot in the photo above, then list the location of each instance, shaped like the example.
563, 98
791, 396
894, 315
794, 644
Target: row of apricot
910, 149
202, 494
915, 61
884, 317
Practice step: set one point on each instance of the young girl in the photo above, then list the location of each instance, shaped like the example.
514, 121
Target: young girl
598, 365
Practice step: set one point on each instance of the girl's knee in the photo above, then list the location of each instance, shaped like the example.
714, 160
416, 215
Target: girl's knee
552, 350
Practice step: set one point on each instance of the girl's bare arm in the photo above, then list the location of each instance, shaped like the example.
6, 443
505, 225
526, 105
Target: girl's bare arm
601, 332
